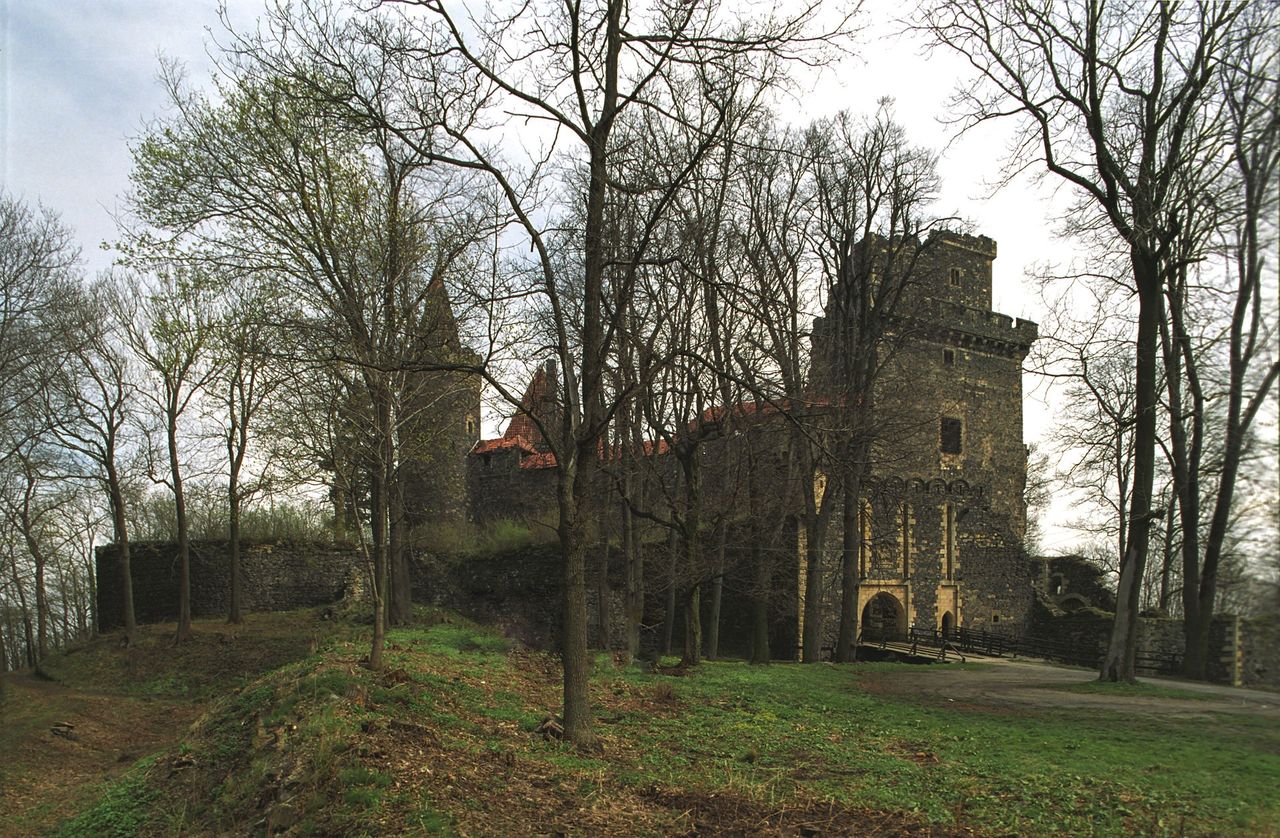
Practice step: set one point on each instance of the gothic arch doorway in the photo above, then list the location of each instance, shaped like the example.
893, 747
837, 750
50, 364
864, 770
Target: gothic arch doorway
884, 618
948, 625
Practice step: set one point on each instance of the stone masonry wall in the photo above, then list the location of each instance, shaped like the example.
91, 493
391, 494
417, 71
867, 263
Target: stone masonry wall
1088, 630
521, 590
984, 584
276, 577
1260, 639
954, 358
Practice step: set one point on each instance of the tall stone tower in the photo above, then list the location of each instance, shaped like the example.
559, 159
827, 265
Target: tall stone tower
950, 393
943, 511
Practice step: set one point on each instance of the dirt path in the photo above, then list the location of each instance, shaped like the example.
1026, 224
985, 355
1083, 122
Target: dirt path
1003, 682
47, 777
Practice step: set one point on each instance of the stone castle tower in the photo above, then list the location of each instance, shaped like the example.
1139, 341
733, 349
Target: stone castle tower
953, 388
945, 512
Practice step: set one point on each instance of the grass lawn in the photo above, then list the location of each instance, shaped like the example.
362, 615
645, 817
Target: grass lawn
442, 742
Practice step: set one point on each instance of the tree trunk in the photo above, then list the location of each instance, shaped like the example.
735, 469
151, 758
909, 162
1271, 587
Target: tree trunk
115, 495
573, 640
635, 582
378, 534
38, 560
379, 497
184, 545
234, 615
92, 576
237, 443
602, 595
1166, 559
669, 618
717, 591
851, 549
339, 516
761, 568
1119, 661
26, 612
401, 612
815, 547
692, 654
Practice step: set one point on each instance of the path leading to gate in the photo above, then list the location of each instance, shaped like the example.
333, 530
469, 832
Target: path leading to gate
1005, 682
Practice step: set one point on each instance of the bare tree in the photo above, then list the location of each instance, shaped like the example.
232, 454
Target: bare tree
246, 379
274, 182
577, 71
778, 301
1114, 99
1231, 325
91, 402
169, 333
1090, 357
868, 191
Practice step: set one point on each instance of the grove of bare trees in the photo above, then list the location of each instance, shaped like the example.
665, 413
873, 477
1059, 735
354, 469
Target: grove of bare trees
362, 212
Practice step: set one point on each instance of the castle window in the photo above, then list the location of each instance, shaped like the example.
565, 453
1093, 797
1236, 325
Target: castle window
485, 458
471, 426
955, 277
995, 618
949, 435
949, 357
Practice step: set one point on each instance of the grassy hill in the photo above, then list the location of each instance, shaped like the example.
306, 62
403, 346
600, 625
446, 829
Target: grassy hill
294, 735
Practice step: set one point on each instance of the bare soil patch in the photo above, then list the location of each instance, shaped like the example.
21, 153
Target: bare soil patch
45, 777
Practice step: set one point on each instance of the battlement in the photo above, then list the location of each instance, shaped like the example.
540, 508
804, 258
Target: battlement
991, 325
981, 245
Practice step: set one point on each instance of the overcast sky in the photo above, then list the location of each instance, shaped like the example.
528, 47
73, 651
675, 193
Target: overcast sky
79, 81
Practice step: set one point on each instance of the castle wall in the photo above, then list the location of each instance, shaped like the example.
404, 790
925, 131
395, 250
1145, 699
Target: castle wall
498, 489
1260, 651
1160, 642
970, 257
949, 359
960, 558
941, 376
522, 592
276, 577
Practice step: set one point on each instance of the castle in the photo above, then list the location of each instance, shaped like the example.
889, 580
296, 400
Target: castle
942, 519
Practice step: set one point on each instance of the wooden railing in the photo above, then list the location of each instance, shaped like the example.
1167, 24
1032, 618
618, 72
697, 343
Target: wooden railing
927, 640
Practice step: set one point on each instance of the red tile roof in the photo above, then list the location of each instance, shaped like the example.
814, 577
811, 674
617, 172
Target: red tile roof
538, 461
486, 446
535, 397
523, 434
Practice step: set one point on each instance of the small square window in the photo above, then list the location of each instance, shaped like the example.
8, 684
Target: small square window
995, 618
949, 357
949, 433
955, 276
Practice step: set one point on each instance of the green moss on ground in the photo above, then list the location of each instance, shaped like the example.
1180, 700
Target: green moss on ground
443, 741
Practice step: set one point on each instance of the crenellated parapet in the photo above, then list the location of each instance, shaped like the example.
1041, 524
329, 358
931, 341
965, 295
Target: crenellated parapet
978, 245
973, 328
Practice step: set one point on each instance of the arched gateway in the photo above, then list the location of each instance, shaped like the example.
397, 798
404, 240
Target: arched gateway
884, 618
